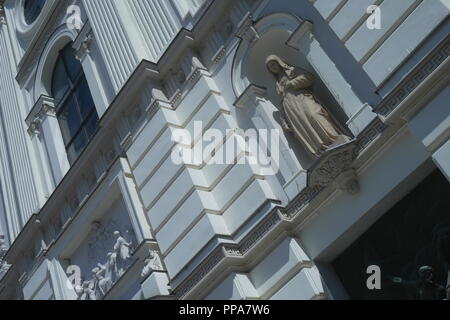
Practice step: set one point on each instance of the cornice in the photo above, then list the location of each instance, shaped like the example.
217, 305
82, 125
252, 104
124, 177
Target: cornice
413, 81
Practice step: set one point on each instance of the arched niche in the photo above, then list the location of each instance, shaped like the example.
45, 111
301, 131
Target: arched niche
60, 38
272, 34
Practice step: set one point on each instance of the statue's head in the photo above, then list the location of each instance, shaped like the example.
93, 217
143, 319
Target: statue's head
95, 270
426, 273
273, 65
276, 65
117, 233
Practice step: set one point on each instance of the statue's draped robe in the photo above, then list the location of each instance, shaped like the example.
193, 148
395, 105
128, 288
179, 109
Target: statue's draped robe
303, 115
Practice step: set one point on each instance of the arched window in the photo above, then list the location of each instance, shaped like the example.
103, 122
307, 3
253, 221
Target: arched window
75, 107
32, 9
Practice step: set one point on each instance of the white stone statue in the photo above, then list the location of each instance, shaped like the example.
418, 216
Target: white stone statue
301, 113
87, 291
152, 263
111, 266
122, 249
105, 275
103, 280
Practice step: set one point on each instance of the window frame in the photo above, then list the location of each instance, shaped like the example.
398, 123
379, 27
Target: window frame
71, 94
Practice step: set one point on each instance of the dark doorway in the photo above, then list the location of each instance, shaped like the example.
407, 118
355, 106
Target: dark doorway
412, 236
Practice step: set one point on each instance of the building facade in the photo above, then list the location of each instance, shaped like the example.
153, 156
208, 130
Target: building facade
160, 149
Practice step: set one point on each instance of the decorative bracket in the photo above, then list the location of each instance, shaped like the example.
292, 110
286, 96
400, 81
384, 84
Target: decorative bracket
82, 44
334, 167
247, 30
44, 107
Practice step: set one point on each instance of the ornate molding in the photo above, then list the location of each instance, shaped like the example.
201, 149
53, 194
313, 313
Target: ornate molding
300, 202
271, 221
332, 165
218, 56
43, 108
251, 93
4, 266
304, 28
153, 263
85, 46
414, 79
247, 31
2, 14
200, 272
370, 134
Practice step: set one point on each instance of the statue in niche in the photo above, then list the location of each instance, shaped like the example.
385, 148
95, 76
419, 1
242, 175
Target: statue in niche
301, 113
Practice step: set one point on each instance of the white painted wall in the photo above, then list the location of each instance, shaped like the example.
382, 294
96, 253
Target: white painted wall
191, 209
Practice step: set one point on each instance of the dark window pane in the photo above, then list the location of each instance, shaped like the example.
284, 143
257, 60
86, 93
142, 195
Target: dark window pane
32, 9
91, 125
412, 235
84, 98
60, 83
77, 115
77, 146
73, 66
69, 120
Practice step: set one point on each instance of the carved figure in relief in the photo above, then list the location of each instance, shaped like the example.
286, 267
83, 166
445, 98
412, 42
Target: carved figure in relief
111, 266
103, 280
104, 276
152, 263
301, 113
122, 249
87, 291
